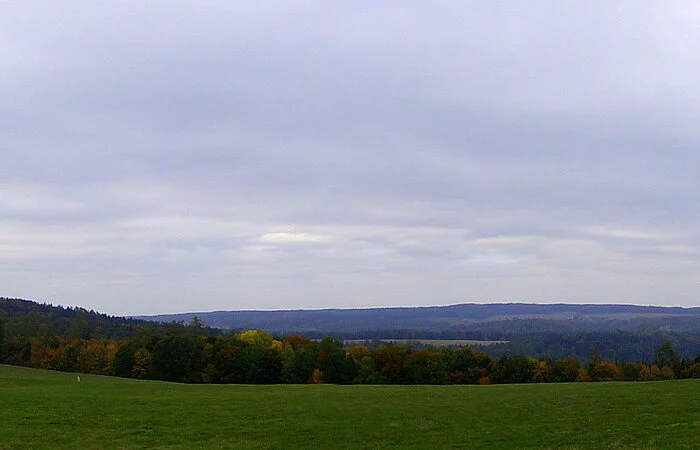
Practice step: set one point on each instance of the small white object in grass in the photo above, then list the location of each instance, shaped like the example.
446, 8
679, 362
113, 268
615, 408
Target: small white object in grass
78, 378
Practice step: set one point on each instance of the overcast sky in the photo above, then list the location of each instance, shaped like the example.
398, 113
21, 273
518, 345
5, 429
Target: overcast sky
175, 156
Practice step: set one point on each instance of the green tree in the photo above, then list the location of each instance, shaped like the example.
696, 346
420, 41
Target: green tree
692, 370
123, 364
631, 371
262, 365
300, 368
666, 357
2, 341
288, 358
79, 328
427, 366
197, 327
335, 363
513, 369
146, 336
179, 357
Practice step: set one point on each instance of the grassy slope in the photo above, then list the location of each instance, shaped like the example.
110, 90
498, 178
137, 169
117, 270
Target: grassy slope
41, 409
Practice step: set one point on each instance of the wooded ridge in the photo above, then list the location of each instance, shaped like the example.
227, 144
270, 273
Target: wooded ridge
74, 339
486, 321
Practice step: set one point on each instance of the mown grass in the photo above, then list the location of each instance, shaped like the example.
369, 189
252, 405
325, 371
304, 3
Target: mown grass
40, 409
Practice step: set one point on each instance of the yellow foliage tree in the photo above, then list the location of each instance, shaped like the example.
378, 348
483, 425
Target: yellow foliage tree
256, 338
142, 363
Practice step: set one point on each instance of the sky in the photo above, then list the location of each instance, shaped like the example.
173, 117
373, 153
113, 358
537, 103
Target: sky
183, 156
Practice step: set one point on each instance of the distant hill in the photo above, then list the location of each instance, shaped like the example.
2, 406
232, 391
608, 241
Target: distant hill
470, 321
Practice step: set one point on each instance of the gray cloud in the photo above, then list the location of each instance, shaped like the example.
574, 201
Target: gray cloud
175, 156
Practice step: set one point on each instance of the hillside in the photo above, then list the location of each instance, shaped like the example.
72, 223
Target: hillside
32, 319
463, 320
617, 332
29, 319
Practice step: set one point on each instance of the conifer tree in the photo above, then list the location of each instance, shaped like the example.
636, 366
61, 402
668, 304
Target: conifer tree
2, 340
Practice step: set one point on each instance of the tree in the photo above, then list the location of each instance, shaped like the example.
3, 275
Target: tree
604, 371
143, 364
467, 366
146, 336
2, 341
565, 370
288, 372
692, 370
179, 357
79, 328
224, 360
257, 338
666, 357
427, 366
67, 360
94, 357
298, 366
542, 371
335, 363
196, 326
43, 355
631, 371
123, 364
513, 369
391, 363
262, 365
367, 371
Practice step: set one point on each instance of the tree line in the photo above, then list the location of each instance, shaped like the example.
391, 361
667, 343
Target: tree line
192, 354
31, 319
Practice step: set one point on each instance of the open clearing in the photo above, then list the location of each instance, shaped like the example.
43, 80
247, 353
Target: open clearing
40, 409
433, 342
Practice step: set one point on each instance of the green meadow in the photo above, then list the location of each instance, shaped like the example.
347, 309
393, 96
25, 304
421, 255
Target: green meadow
42, 409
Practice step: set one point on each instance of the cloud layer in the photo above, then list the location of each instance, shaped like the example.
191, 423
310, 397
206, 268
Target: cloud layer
174, 156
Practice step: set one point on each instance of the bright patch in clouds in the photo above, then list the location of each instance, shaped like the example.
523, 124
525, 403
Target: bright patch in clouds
285, 237
625, 233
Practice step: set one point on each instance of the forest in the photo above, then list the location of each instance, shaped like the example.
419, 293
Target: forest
76, 340
461, 321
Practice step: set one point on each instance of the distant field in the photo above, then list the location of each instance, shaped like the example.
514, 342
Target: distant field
40, 409
434, 342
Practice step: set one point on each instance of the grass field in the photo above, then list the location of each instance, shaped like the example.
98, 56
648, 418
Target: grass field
40, 409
